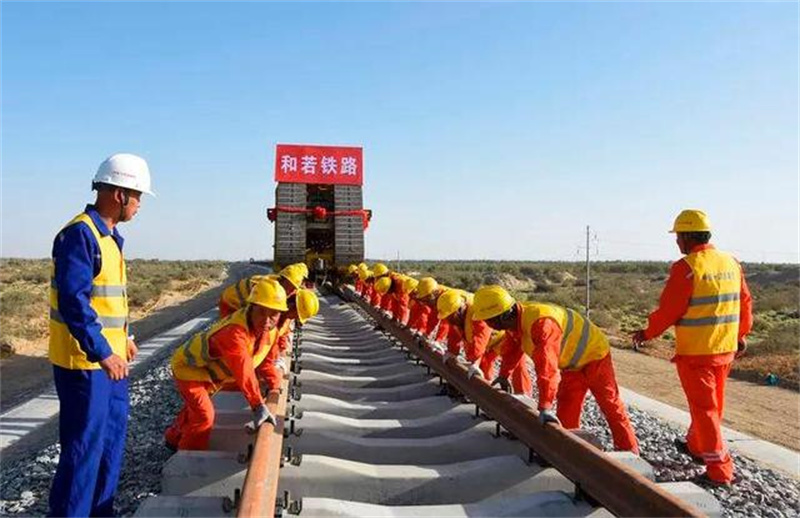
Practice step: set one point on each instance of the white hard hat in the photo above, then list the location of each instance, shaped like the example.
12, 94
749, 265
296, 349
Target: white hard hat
125, 170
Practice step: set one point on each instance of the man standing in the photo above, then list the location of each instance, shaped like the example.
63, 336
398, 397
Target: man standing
707, 300
89, 344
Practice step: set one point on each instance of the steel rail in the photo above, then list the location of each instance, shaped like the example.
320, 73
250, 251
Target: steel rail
617, 487
260, 488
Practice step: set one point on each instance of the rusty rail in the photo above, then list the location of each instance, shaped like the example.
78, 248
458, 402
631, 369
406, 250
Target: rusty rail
615, 486
260, 488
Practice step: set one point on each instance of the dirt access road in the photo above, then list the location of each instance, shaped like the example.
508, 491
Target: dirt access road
769, 413
24, 377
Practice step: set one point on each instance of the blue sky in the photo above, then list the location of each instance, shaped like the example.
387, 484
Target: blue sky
490, 130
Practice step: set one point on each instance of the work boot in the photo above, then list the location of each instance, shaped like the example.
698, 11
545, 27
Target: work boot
683, 447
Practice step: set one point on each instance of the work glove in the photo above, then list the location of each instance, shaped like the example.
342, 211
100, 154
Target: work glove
503, 383
548, 416
638, 339
438, 349
280, 363
741, 348
473, 371
261, 415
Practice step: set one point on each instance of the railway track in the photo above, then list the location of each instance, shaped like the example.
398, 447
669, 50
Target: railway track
372, 423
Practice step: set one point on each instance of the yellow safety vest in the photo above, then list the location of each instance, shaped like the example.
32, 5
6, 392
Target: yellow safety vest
582, 341
495, 339
711, 323
192, 361
109, 300
235, 295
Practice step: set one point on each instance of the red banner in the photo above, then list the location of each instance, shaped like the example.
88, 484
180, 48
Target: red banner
319, 164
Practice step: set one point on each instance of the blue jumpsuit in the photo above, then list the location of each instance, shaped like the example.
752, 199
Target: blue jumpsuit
94, 410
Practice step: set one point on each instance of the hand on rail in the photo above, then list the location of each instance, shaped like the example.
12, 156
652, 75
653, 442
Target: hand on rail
261, 415
280, 363
548, 416
503, 383
473, 371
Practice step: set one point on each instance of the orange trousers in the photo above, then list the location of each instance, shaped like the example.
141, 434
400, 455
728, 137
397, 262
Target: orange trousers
520, 378
597, 377
704, 386
191, 428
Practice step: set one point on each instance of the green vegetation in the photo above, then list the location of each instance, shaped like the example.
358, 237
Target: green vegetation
24, 292
623, 294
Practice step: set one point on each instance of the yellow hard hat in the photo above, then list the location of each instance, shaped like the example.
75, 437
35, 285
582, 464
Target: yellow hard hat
255, 278
383, 284
352, 269
692, 220
303, 267
410, 284
307, 305
491, 301
270, 294
363, 266
380, 270
449, 302
426, 286
294, 274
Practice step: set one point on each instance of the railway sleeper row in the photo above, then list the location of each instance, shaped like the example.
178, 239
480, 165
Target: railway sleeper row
370, 432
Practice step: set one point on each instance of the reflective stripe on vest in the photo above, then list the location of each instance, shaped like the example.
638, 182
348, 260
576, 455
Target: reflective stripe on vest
710, 324
106, 322
108, 300
582, 342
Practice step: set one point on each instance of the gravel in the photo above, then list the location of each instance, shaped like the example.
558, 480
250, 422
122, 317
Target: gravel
761, 492
25, 484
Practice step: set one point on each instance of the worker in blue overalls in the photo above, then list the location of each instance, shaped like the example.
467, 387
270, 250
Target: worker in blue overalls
89, 343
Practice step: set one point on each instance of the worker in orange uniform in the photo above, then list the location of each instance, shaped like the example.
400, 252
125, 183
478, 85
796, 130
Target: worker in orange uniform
394, 299
227, 352
303, 306
564, 346
367, 279
423, 318
378, 271
481, 344
360, 277
235, 295
707, 299
402, 310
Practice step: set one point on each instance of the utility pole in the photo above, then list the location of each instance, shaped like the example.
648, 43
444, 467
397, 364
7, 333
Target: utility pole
588, 274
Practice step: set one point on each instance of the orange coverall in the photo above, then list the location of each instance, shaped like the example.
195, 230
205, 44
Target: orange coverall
192, 426
569, 387
703, 376
267, 371
476, 349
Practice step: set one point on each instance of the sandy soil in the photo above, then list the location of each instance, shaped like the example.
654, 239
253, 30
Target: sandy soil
769, 413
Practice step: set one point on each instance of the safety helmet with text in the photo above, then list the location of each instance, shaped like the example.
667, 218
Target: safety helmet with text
125, 170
